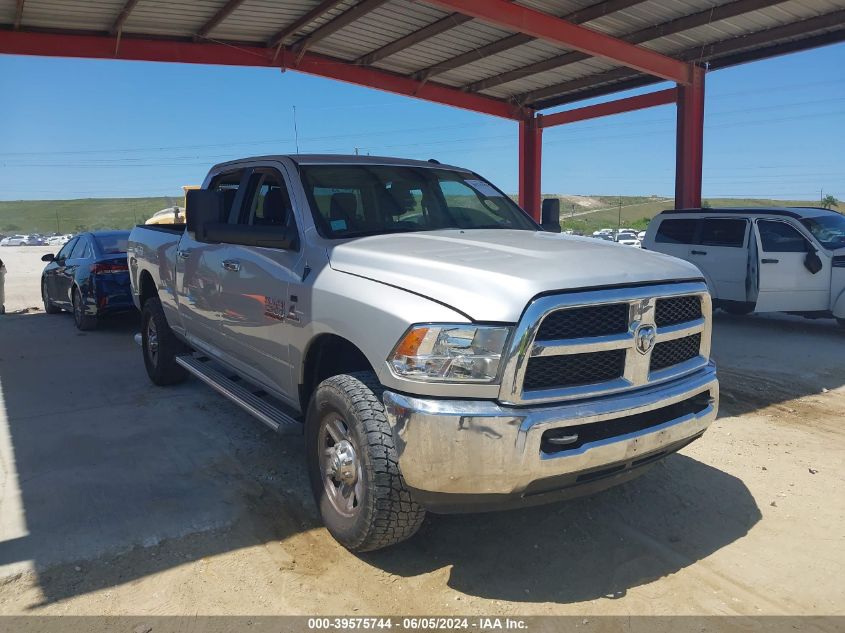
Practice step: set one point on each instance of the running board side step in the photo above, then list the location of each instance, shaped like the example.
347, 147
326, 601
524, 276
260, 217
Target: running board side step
272, 416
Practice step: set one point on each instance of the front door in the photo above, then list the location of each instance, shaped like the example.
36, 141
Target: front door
198, 269
54, 273
259, 289
786, 285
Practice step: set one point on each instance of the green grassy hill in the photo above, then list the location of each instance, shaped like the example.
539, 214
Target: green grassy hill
72, 216
637, 212
580, 213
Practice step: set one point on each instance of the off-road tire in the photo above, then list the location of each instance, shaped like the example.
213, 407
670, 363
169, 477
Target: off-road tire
84, 322
161, 365
49, 306
387, 514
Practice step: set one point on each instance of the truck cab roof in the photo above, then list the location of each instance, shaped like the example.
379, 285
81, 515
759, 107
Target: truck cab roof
343, 159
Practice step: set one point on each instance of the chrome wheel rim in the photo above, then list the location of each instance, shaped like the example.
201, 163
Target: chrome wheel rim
44, 295
152, 342
340, 467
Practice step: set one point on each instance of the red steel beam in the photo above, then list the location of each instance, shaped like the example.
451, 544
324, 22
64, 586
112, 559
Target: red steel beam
153, 50
530, 165
557, 31
689, 150
629, 104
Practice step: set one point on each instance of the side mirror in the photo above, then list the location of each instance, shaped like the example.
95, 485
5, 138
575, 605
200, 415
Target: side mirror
203, 208
551, 215
49, 257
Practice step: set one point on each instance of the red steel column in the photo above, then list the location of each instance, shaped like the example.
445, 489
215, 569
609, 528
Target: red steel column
689, 150
530, 163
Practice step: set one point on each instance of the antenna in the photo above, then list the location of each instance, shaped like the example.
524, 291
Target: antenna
295, 131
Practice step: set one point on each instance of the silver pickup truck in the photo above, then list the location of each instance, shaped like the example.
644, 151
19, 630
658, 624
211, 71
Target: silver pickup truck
438, 349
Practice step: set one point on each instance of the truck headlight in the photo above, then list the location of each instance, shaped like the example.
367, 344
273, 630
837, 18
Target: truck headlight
450, 353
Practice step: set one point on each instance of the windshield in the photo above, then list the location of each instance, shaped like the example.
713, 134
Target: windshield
112, 244
829, 229
356, 200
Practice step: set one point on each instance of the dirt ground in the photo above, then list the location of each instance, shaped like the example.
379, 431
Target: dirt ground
117, 497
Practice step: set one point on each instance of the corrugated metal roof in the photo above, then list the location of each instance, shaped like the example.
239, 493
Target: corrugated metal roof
456, 55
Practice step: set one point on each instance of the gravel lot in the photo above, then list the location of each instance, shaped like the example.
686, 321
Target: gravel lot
117, 497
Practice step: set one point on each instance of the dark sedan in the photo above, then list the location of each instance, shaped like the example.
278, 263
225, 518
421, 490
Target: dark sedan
89, 277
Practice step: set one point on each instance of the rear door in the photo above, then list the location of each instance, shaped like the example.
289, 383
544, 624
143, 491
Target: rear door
675, 236
259, 288
198, 268
786, 285
721, 251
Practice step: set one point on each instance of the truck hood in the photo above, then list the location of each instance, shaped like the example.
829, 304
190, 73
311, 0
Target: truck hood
491, 275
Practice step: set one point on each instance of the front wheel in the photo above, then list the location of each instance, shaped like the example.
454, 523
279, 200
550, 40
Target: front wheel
49, 306
160, 346
353, 466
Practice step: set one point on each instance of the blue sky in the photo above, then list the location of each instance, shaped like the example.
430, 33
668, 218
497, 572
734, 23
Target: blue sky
89, 128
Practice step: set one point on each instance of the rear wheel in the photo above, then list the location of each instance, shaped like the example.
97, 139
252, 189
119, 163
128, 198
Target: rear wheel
737, 308
160, 346
83, 321
353, 466
49, 308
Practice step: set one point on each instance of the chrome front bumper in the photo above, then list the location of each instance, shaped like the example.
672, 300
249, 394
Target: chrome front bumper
463, 448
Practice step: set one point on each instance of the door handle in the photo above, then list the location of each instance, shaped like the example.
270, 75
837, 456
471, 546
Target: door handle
231, 264
183, 254
698, 252
769, 261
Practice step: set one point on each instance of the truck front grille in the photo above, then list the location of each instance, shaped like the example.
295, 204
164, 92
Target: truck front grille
574, 369
675, 352
606, 341
587, 321
677, 310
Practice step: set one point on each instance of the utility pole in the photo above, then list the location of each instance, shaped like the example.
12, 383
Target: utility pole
619, 224
58, 229
356, 151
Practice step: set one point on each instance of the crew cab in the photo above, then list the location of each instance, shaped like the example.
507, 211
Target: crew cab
761, 259
439, 350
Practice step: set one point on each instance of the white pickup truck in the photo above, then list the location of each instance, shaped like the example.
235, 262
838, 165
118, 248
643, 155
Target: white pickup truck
439, 350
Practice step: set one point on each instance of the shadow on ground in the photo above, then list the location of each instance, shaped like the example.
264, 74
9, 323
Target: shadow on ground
123, 480
759, 356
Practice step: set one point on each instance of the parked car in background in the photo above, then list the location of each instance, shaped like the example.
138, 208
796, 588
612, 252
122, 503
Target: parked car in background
59, 240
35, 240
627, 238
14, 240
761, 260
88, 276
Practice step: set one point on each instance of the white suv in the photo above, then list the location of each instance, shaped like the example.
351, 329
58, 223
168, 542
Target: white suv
758, 259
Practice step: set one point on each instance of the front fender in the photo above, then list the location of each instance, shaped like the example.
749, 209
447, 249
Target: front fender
374, 317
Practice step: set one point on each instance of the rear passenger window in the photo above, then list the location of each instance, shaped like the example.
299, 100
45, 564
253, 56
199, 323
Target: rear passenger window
676, 232
779, 237
79, 249
227, 183
723, 232
269, 203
